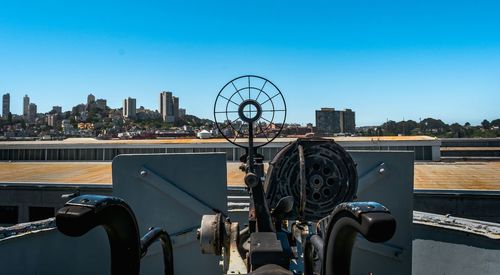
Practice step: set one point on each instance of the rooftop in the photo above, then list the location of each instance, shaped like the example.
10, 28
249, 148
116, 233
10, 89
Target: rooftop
75, 141
428, 175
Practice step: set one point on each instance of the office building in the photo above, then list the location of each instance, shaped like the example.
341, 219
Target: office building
129, 108
6, 105
90, 99
57, 109
32, 112
101, 104
176, 107
182, 112
167, 107
52, 120
26, 106
329, 121
347, 121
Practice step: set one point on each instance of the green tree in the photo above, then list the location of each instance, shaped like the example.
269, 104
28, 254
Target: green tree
457, 130
486, 124
390, 128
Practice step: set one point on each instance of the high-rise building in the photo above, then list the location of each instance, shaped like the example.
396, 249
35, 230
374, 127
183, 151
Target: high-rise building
57, 109
348, 121
52, 120
182, 112
90, 99
6, 105
167, 106
176, 107
78, 109
26, 106
32, 112
329, 121
129, 108
101, 104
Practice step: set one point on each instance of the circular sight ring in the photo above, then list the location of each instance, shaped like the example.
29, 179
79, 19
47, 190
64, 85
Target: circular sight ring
277, 96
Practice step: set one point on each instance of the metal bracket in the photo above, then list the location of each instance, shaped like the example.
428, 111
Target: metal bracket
171, 190
371, 177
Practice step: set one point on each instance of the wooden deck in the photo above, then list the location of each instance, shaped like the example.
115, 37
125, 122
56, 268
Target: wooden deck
431, 175
458, 175
56, 172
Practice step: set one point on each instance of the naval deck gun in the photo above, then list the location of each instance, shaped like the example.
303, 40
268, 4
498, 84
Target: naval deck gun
302, 218
302, 210
312, 210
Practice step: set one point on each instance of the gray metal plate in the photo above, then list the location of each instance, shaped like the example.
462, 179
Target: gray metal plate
386, 178
173, 191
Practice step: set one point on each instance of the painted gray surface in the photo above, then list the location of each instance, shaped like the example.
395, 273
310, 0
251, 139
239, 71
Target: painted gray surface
155, 202
393, 188
449, 252
50, 252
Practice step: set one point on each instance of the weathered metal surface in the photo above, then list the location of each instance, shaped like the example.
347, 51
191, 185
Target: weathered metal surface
470, 204
490, 230
26, 228
236, 264
211, 234
330, 174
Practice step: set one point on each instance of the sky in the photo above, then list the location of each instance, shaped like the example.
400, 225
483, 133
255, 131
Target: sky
383, 59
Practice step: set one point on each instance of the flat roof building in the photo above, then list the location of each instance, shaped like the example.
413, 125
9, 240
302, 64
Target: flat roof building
26, 106
89, 149
32, 110
57, 109
129, 108
330, 121
5, 105
167, 106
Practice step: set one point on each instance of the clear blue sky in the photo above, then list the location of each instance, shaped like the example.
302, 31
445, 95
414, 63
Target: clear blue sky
383, 59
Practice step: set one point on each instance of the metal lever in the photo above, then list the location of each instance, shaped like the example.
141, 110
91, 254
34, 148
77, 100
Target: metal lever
284, 206
153, 234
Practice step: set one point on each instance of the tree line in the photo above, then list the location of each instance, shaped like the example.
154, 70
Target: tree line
435, 127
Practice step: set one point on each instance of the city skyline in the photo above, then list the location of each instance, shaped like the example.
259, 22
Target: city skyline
101, 102
384, 60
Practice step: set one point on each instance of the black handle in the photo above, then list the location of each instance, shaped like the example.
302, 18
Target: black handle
370, 219
83, 213
330, 251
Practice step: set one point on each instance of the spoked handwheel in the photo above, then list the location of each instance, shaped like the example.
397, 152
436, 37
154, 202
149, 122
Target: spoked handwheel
249, 107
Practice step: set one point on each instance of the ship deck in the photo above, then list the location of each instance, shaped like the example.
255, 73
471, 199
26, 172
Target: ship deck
427, 175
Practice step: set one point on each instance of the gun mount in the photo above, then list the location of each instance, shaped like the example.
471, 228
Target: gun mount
309, 180
302, 216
